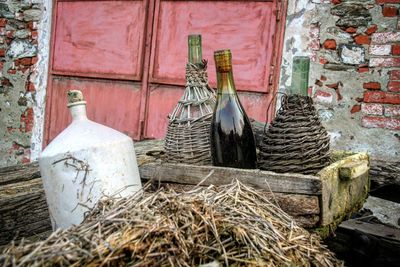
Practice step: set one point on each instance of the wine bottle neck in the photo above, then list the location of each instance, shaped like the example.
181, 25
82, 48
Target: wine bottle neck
223, 64
195, 52
225, 83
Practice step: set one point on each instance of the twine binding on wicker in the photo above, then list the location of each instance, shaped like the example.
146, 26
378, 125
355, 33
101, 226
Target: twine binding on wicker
295, 141
188, 133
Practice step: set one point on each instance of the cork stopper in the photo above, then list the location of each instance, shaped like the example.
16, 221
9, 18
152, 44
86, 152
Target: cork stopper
75, 97
223, 60
194, 40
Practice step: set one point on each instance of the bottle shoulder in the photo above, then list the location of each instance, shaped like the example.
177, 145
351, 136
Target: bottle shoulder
230, 106
84, 134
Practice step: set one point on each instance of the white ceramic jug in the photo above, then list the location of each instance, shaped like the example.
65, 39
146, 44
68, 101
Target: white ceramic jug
83, 163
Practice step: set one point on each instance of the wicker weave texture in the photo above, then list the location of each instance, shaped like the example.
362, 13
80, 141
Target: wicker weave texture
188, 133
296, 141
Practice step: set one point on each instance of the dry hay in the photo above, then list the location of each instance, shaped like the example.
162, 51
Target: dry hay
233, 225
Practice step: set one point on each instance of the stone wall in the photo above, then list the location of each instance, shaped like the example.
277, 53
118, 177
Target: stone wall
354, 46
20, 78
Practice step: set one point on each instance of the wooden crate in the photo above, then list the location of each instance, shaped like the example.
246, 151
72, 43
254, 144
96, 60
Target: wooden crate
316, 202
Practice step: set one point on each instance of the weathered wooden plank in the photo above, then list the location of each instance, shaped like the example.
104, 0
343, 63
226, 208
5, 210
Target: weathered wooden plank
341, 197
11, 190
23, 215
308, 221
293, 204
190, 174
296, 205
366, 244
384, 173
378, 230
23, 172
352, 170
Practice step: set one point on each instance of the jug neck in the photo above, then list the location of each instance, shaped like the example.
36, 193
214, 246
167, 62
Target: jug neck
78, 111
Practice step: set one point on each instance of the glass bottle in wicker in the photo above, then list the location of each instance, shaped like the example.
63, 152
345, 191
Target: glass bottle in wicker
296, 141
187, 139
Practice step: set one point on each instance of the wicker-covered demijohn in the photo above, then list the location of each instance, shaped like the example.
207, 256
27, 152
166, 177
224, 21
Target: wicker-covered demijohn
188, 134
295, 141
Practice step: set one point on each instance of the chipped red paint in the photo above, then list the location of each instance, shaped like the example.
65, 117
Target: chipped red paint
249, 38
112, 103
149, 49
99, 39
245, 28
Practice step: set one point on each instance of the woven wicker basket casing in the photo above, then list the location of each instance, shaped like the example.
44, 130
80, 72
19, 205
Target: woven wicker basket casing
188, 134
296, 141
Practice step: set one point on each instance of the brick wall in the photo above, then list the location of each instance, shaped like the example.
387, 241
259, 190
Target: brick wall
368, 48
381, 102
354, 47
18, 56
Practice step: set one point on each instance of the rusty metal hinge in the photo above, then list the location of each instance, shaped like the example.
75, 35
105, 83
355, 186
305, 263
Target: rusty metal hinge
271, 75
141, 129
271, 79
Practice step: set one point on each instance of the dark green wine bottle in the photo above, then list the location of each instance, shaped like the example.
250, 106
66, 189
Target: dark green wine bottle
232, 139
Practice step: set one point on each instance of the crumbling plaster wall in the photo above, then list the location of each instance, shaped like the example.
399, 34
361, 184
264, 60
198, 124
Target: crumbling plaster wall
352, 47
24, 42
40, 80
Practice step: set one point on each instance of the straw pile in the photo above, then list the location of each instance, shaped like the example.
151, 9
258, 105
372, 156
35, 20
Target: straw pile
232, 225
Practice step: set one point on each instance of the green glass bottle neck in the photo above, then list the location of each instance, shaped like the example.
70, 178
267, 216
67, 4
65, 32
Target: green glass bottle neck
225, 83
195, 54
